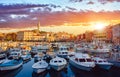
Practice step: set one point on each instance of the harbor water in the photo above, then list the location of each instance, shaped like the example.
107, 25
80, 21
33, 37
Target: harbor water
26, 71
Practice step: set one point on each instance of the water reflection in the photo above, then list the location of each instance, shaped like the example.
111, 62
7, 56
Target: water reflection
43, 74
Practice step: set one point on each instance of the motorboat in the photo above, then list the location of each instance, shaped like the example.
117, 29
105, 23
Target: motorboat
47, 58
37, 57
63, 52
34, 50
10, 64
15, 55
82, 61
26, 57
58, 63
115, 58
40, 66
2, 57
42, 47
102, 63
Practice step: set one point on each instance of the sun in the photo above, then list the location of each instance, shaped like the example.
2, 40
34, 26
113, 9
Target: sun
99, 26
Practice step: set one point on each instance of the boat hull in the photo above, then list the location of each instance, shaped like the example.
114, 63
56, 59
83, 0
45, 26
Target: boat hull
115, 63
63, 56
58, 68
7, 68
103, 66
39, 70
80, 66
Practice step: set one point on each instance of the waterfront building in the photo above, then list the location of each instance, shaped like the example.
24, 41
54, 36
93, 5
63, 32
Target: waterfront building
88, 36
62, 36
109, 33
25, 35
116, 34
100, 35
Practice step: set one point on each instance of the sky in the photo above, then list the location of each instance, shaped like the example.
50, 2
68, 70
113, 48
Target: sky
72, 16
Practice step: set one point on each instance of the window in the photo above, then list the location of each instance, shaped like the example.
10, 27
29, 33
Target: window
55, 61
89, 60
100, 61
82, 60
76, 59
60, 61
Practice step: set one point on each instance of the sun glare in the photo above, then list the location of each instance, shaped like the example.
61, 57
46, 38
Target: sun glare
99, 26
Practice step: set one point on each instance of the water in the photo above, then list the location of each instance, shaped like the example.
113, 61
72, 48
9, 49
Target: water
26, 71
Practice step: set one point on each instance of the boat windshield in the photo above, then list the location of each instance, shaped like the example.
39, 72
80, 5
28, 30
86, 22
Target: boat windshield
63, 49
59, 61
89, 60
81, 60
64, 53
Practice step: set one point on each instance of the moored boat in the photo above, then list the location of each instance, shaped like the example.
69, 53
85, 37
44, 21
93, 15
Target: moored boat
63, 52
102, 63
58, 63
10, 65
82, 61
40, 66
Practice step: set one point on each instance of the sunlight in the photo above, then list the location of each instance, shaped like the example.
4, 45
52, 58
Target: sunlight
99, 26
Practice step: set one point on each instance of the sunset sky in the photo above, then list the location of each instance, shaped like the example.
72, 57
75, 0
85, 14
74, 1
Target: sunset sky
72, 16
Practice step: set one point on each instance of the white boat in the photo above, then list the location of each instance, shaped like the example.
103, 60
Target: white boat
37, 57
40, 66
15, 55
26, 57
58, 63
115, 58
10, 65
102, 63
43, 47
63, 51
34, 50
82, 61
80, 47
2, 57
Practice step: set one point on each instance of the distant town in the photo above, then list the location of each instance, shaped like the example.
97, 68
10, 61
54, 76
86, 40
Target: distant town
110, 34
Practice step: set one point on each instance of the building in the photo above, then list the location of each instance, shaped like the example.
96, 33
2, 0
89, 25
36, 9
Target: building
88, 36
62, 36
116, 34
109, 34
100, 35
25, 35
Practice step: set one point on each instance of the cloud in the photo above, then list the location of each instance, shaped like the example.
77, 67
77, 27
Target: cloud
90, 2
19, 16
75, 0
60, 18
2, 20
107, 1
71, 8
13, 16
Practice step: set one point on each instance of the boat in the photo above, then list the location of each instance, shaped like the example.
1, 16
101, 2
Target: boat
2, 57
82, 61
42, 47
15, 55
34, 50
26, 57
40, 66
10, 64
63, 52
37, 58
102, 63
47, 58
58, 63
115, 58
